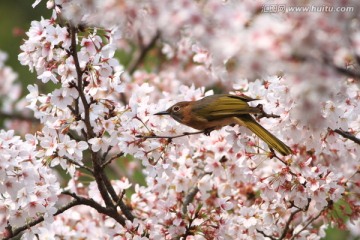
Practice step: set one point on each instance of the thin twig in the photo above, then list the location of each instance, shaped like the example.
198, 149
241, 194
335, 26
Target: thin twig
106, 153
79, 87
140, 55
347, 135
342, 70
18, 230
347, 72
287, 226
17, 116
170, 137
111, 159
109, 211
125, 209
189, 198
260, 115
73, 111
79, 165
138, 59
120, 197
263, 114
265, 235
191, 195
302, 229
278, 158
189, 228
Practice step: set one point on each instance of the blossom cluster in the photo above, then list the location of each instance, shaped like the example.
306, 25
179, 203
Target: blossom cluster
228, 185
48, 50
7, 84
9, 103
28, 188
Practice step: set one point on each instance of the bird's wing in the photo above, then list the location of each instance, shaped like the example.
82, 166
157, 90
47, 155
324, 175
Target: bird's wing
242, 97
219, 107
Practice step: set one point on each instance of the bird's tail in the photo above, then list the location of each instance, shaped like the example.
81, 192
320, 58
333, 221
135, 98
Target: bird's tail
273, 142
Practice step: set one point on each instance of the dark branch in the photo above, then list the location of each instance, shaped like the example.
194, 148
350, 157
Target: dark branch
287, 226
17, 116
191, 195
125, 209
189, 198
140, 55
263, 114
265, 235
105, 154
170, 137
138, 59
347, 72
79, 165
342, 70
111, 212
79, 72
98, 174
302, 229
347, 135
273, 155
18, 230
111, 159
89, 133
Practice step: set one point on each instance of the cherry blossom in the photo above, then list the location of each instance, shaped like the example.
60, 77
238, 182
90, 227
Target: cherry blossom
300, 69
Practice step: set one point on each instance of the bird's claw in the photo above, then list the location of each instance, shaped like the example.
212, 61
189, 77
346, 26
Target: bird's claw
208, 131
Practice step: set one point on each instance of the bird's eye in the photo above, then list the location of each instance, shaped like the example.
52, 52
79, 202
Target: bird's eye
176, 108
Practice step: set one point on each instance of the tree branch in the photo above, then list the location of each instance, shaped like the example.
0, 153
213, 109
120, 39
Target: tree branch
18, 230
347, 72
302, 229
169, 137
104, 164
79, 165
342, 70
105, 154
191, 195
109, 211
79, 87
98, 174
17, 116
125, 209
346, 135
263, 114
189, 198
265, 235
140, 55
287, 225
89, 133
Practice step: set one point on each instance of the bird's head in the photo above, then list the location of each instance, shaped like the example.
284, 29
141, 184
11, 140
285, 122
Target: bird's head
178, 111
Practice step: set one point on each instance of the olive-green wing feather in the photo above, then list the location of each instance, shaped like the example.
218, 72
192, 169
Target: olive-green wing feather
223, 106
273, 142
242, 97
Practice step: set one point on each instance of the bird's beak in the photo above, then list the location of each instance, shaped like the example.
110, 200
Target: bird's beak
163, 113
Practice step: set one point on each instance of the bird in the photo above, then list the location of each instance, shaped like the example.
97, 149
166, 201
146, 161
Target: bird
216, 111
